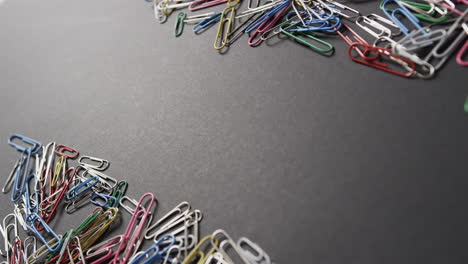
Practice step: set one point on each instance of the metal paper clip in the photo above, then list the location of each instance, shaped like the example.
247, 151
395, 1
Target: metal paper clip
350, 12
225, 242
375, 21
170, 252
98, 164
252, 252
127, 208
30, 242
442, 55
179, 211
6, 188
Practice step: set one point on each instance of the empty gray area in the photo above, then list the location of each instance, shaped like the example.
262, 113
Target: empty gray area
317, 159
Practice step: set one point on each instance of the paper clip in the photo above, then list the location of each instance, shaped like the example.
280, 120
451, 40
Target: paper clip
154, 254
442, 55
353, 13
170, 252
225, 23
208, 244
226, 241
119, 192
127, 208
321, 13
33, 145
32, 219
179, 24
461, 53
158, 14
422, 38
268, 15
373, 54
252, 252
269, 20
259, 9
17, 252
400, 10
182, 19
426, 12
109, 201
82, 187
6, 188
201, 4
328, 47
29, 244
134, 229
172, 216
63, 150
180, 225
100, 165
375, 21
205, 23
21, 175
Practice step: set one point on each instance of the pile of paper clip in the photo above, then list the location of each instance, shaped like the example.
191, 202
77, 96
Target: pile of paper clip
415, 40
42, 182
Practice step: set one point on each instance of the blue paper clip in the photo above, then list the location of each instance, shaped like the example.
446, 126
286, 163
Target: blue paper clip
156, 254
320, 25
82, 187
35, 145
271, 13
106, 198
31, 221
405, 12
206, 22
20, 180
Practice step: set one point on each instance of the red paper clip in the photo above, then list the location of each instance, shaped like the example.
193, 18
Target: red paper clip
372, 56
62, 150
17, 253
47, 215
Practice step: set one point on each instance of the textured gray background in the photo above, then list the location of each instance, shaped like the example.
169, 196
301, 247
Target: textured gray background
317, 159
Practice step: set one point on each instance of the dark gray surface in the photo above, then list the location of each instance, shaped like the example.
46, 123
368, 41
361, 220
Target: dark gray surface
317, 159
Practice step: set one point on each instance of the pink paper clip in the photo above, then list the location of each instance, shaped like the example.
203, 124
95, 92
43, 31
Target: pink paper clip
201, 4
461, 53
134, 230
